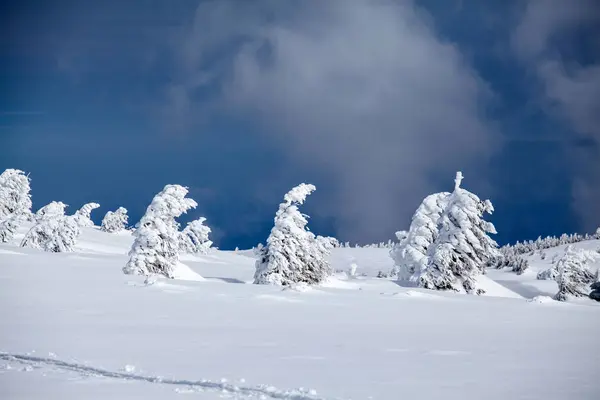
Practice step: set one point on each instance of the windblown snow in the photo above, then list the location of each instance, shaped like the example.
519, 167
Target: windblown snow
74, 326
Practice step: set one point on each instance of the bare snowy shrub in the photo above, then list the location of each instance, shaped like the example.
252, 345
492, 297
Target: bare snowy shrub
82, 216
116, 221
328, 242
463, 248
574, 277
292, 254
194, 238
155, 249
15, 199
51, 210
410, 254
58, 234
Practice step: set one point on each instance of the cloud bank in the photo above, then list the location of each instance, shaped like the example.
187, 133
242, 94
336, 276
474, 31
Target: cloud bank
365, 92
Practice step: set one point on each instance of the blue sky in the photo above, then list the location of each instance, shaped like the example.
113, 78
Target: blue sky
376, 102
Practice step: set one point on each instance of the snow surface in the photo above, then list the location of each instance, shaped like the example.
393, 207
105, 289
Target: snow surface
74, 326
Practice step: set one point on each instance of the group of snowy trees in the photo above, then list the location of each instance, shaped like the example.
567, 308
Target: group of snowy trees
530, 246
54, 231
572, 274
447, 245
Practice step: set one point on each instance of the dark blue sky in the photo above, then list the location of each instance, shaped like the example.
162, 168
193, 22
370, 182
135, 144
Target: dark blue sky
376, 102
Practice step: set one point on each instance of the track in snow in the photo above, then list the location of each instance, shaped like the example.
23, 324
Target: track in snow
262, 391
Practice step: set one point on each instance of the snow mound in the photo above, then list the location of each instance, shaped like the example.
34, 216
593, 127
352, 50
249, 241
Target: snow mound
541, 300
185, 273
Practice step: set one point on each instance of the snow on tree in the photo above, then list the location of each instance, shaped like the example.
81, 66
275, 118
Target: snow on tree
82, 216
463, 248
155, 249
410, 254
328, 242
8, 228
115, 221
51, 210
574, 277
194, 238
292, 254
14, 193
56, 234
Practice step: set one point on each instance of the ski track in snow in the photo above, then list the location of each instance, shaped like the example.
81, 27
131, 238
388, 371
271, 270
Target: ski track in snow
261, 392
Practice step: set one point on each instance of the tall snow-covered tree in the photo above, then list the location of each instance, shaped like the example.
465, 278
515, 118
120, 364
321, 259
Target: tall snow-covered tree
574, 277
51, 210
410, 254
54, 234
292, 254
155, 249
15, 199
194, 237
115, 221
82, 216
462, 249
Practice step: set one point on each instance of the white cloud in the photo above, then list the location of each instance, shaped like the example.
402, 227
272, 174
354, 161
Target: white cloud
365, 91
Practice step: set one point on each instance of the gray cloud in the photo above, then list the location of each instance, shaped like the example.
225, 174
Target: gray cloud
571, 88
364, 91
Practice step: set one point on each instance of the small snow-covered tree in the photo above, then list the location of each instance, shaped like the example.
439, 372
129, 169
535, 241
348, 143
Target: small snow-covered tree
574, 277
463, 248
51, 210
14, 193
328, 242
155, 249
410, 254
56, 234
115, 221
8, 228
292, 254
194, 238
82, 216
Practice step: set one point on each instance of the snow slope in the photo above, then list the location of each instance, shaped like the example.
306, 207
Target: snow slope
73, 326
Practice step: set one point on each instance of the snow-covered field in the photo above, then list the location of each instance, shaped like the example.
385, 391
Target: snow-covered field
74, 326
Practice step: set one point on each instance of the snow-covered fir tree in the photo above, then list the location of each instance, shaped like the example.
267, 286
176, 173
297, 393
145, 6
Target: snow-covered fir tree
462, 248
410, 254
155, 249
574, 277
116, 221
292, 254
15, 199
54, 234
82, 216
51, 210
194, 238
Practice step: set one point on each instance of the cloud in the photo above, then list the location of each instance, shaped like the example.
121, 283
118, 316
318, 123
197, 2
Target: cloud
554, 39
364, 92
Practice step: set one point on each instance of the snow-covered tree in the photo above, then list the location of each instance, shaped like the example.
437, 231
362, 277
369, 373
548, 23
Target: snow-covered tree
51, 210
574, 277
410, 254
155, 249
55, 234
115, 221
328, 242
194, 238
8, 228
14, 194
463, 248
82, 216
292, 254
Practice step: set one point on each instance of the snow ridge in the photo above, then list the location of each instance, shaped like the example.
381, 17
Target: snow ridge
261, 391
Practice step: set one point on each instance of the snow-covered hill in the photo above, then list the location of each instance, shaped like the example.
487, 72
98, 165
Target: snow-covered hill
74, 326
